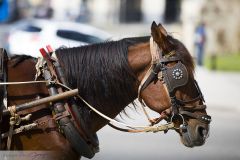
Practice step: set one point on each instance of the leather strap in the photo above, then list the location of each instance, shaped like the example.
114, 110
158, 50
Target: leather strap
203, 118
169, 59
155, 53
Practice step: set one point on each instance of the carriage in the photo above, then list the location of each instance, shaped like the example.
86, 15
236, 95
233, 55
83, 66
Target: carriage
58, 102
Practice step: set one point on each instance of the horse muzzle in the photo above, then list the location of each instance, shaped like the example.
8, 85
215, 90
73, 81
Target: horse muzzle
196, 136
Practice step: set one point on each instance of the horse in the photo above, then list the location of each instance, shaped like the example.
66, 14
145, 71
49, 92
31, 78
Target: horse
110, 76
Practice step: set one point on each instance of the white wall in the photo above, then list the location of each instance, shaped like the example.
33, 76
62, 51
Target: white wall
104, 11
153, 10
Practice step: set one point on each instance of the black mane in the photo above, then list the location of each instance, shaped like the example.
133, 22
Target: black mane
101, 72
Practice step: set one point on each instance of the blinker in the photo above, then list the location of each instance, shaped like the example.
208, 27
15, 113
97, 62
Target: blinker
175, 76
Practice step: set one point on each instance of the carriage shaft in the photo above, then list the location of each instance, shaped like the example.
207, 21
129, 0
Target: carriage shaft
45, 100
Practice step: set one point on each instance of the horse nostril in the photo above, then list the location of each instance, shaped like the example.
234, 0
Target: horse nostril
202, 132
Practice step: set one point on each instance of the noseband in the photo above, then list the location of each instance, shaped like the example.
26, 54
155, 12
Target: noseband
173, 77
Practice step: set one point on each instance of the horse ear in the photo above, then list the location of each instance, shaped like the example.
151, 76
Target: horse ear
159, 35
154, 30
162, 29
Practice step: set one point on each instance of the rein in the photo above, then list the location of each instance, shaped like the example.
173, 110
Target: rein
141, 128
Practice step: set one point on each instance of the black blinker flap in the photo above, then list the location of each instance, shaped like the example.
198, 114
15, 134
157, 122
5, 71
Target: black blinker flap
175, 76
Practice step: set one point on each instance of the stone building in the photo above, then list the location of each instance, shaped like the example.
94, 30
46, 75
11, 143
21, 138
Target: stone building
120, 11
220, 16
222, 24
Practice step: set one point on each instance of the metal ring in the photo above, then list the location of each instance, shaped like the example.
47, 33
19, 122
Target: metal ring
183, 120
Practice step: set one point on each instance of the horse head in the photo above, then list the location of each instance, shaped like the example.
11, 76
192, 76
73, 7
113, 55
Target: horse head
169, 87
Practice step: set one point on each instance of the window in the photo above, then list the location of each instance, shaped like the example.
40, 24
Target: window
31, 28
172, 11
130, 11
77, 36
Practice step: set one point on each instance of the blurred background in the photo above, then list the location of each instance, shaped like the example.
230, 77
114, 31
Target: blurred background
209, 29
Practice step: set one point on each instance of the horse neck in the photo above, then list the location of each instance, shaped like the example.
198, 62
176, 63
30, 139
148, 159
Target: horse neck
139, 60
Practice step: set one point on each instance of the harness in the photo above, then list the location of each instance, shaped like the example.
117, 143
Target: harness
67, 114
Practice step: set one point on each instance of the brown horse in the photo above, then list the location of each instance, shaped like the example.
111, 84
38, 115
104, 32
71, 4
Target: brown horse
108, 76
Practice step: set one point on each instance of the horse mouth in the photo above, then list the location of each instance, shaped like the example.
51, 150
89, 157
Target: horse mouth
197, 138
190, 144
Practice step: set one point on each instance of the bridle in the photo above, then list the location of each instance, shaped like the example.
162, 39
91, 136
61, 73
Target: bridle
173, 77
